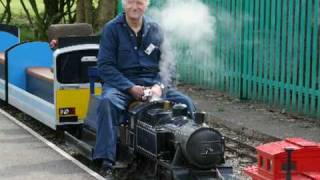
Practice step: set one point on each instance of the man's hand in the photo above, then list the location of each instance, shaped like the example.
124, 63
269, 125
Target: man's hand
137, 92
156, 90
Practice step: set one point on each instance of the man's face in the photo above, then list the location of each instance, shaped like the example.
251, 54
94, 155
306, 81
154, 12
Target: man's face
135, 8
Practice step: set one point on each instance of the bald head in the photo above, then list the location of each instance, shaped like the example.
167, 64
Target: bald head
125, 1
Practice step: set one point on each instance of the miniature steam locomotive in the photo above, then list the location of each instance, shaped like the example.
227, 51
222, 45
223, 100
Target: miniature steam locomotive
183, 147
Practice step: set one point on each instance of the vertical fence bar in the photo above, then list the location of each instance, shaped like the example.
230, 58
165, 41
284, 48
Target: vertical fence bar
215, 60
188, 70
226, 48
251, 47
308, 62
262, 47
289, 59
303, 94
277, 50
245, 46
179, 63
231, 56
193, 70
179, 67
221, 67
238, 42
256, 48
222, 49
272, 51
229, 50
295, 48
284, 49
266, 57
315, 50
233, 49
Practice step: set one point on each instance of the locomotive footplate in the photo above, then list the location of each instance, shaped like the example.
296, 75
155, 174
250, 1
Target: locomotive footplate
84, 145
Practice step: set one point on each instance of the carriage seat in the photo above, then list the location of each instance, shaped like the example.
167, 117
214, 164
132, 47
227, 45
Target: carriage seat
40, 82
43, 73
2, 58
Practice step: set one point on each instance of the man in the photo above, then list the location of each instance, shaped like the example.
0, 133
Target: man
128, 62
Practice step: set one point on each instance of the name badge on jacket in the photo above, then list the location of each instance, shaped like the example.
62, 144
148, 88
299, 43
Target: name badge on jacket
150, 49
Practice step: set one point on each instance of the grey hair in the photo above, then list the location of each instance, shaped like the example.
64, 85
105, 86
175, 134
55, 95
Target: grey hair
124, 1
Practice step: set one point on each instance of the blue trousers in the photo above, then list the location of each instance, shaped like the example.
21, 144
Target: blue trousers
113, 105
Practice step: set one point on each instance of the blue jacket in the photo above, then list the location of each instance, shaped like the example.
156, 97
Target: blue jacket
121, 64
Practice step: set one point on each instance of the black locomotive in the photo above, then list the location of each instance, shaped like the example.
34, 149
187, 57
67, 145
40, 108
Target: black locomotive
180, 146
184, 147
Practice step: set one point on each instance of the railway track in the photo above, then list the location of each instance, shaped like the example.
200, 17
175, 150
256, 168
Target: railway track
241, 149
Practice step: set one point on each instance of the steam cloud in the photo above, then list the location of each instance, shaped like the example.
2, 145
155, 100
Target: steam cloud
186, 22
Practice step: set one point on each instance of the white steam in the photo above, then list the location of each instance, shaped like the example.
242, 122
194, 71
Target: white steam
186, 22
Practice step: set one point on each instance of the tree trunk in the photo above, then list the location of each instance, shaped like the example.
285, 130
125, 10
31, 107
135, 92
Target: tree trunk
88, 11
80, 11
7, 12
107, 9
84, 11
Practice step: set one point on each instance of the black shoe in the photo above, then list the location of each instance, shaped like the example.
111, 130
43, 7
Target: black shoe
106, 170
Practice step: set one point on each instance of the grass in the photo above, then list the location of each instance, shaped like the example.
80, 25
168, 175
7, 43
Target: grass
17, 9
19, 18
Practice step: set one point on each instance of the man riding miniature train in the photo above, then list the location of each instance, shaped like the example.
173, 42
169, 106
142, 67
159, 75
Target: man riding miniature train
128, 63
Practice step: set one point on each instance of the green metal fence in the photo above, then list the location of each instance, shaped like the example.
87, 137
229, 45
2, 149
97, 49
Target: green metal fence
277, 61
269, 52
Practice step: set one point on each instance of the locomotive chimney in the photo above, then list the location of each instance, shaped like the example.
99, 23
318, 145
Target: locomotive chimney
200, 117
179, 110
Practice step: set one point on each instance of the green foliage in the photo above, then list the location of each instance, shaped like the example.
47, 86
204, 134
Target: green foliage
20, 20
